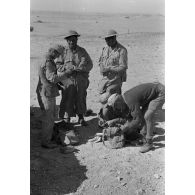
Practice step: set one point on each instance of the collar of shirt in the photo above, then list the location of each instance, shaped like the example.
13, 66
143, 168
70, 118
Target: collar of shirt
75, 50
111, 51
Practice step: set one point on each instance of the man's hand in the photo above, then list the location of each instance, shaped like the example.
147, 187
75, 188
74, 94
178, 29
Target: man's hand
70, 66
104, 69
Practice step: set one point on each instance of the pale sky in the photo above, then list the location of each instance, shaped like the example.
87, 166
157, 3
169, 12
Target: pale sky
106, 6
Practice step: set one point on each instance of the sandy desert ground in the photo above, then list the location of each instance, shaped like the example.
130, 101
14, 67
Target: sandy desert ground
94, 169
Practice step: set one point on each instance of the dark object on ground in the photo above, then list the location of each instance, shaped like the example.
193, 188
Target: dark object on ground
82, 122
39, 21
70, 138
63, 125
89, 112
31, 28
63, 134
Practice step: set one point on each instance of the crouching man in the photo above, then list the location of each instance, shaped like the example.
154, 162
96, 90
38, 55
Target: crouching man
138, 105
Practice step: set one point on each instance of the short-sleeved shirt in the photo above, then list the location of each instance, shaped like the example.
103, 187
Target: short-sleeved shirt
115, 58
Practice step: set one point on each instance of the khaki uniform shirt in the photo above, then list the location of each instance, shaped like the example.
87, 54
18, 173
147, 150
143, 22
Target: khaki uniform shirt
117, 59
48, 78
79, 58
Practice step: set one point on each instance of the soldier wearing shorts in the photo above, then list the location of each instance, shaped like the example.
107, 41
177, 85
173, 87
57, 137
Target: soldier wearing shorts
142, 102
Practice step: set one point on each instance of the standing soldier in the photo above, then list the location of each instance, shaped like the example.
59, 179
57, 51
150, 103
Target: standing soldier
47, 91
78, 62
113, 66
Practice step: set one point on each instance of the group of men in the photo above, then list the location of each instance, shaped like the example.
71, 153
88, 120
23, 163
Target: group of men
67, 69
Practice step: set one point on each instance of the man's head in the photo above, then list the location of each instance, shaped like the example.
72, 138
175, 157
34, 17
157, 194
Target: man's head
53, 53
110, 38
59, 48
117, 102
72, 38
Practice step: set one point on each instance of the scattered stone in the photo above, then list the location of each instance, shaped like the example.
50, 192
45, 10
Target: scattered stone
95, 186
124, 184
156, 176
119, 178
140, 192
39, 21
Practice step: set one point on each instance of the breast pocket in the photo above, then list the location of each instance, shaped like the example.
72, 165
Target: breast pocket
115, 59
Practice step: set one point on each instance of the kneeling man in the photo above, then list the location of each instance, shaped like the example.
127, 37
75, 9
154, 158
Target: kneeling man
138, 105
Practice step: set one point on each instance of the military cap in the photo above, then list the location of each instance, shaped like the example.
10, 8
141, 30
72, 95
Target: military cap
71, 33
110, 33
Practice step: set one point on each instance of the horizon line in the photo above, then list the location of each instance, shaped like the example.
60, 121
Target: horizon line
97, 12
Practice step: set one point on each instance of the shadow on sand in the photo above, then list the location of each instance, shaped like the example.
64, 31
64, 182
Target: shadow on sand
88, 132
52, 172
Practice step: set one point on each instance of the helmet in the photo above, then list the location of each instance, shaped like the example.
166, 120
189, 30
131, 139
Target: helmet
71, 33
110, 33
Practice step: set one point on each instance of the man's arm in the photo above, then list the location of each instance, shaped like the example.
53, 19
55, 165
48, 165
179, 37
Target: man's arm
42, 76
115, 121
132, 125
103, 67
86, 63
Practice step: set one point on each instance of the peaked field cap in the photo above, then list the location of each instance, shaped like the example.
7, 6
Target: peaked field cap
71, 33
110, 33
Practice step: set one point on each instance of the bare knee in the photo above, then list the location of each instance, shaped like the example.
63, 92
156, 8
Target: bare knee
149, 115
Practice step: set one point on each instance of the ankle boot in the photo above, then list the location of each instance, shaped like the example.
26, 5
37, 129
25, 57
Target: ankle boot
147, 146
